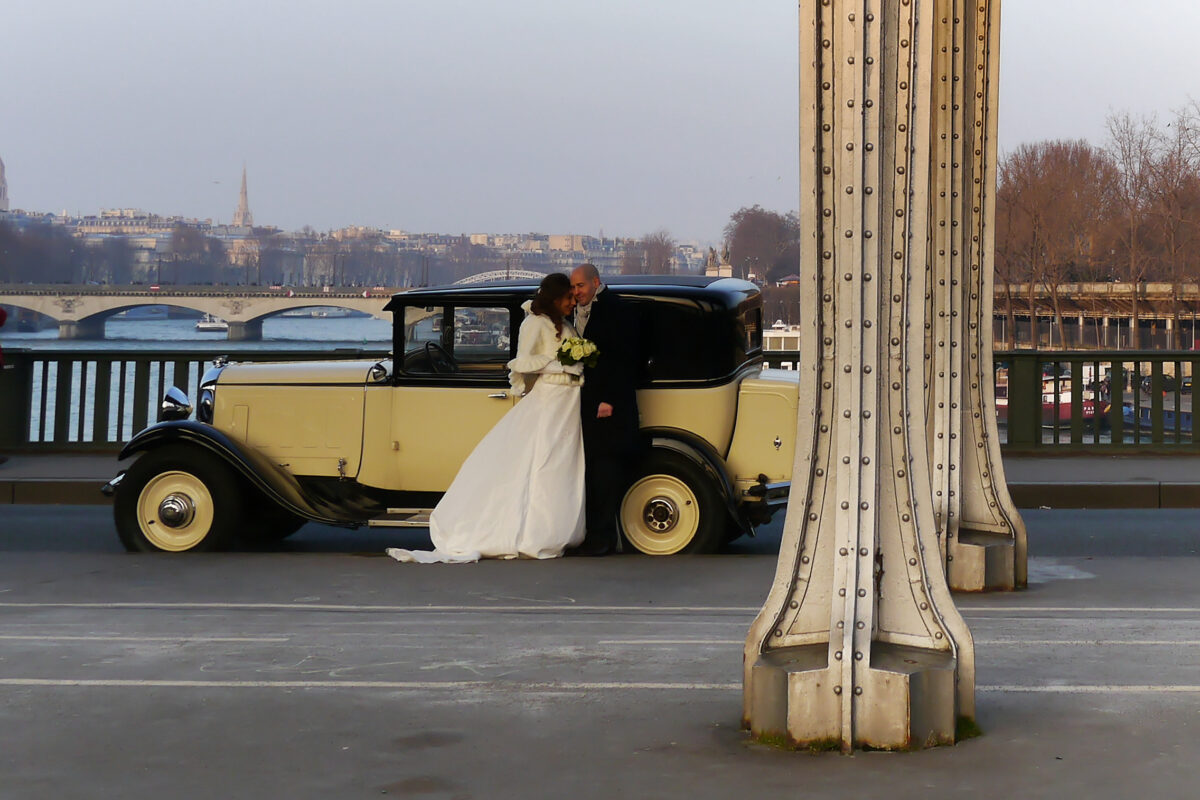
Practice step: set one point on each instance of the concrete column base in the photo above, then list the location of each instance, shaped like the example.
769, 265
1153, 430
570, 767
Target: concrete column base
907, 699
978, 561
245, 331
81, 329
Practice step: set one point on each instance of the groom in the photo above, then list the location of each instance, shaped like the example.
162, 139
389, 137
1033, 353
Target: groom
608, 405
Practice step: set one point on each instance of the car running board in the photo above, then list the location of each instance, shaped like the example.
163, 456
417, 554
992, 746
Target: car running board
402, 518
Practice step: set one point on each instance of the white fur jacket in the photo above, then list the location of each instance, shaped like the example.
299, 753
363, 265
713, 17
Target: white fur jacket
537, 354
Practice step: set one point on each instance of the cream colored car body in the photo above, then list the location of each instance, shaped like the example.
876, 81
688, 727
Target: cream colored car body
330, 420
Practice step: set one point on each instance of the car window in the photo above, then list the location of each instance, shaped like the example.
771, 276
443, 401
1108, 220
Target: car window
688, 340
469, 341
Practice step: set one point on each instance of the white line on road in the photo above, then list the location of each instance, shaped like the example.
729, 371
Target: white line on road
389, 609
1087, 689
421, 686
459, 686
672, 641
204, 639
1067, 642
750, 610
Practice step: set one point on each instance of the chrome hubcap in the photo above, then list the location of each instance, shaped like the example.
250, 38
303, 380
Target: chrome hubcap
176, 510
660, 514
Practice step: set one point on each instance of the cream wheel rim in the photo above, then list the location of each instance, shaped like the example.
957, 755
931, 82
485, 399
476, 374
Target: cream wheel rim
175, 511
660, 515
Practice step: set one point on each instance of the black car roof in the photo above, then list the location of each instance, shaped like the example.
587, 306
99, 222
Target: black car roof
729, 292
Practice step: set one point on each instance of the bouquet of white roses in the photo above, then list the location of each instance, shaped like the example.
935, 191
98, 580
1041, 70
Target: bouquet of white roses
577, 350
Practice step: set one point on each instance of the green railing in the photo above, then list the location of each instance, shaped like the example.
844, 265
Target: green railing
1123, 401
96, 400
1095, 401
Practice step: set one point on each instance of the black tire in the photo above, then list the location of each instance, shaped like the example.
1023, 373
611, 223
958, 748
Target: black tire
177, 499
269, 523
672, 507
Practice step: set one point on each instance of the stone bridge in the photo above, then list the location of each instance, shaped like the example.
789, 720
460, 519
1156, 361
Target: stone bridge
80, 311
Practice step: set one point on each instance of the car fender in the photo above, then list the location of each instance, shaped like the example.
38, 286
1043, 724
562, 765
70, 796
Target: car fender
703, 455
272, 480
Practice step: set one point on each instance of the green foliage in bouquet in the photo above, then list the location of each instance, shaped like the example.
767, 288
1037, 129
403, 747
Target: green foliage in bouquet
576, 350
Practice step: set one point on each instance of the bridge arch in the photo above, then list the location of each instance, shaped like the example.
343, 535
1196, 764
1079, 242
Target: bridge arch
501, 275
81, 312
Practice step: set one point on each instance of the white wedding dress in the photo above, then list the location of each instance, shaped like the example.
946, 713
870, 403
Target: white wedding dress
520, 492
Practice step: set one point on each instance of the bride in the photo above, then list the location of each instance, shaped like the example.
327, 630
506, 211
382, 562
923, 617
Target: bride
520, 492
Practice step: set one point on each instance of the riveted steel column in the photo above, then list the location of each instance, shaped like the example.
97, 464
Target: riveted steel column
859, 642
981, 532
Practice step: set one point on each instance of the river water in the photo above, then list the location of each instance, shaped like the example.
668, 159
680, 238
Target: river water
279, 333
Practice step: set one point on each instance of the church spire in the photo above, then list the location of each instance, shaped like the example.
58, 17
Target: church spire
3, 188
242, 218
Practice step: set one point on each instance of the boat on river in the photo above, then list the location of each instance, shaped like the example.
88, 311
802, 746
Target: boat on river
1056, 400
1143, 418
209, 323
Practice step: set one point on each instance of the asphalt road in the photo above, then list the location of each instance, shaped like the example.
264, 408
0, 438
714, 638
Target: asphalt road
321, 669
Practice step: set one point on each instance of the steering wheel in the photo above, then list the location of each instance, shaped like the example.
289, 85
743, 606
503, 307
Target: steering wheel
440, 360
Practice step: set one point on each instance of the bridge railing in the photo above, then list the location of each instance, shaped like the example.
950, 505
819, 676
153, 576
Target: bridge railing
1097, 401
1123, 401
96, 400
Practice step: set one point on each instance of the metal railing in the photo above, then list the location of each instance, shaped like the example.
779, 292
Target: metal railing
1122, 401
96, 400
1094, 401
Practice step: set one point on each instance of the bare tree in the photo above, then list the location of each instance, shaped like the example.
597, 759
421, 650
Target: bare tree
633, 258
1131, 146
763, 242
1174, 209
659, 250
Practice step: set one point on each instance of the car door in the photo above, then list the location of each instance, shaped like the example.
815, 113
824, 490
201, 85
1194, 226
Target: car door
451, 388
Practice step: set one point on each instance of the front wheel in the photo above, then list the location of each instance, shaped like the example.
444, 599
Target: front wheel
672, 507
175, 500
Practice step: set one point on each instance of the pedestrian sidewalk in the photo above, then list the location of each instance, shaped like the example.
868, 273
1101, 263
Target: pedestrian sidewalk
1098, 481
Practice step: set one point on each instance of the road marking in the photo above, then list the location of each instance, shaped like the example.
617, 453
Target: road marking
213, 639
491, 686
1067, 642
673, 641
1082, 609
387, 609
421, 686
1087, 689
750, 610
1095, 642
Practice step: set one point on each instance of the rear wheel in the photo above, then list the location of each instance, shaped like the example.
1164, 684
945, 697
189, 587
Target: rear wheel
672, 507
175, 500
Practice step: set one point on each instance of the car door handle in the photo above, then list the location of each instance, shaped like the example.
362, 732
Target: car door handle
499, 395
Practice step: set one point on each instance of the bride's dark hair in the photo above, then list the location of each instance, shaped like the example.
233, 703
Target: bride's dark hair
552, 289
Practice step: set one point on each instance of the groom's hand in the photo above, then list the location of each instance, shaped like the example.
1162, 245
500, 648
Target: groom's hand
603, 410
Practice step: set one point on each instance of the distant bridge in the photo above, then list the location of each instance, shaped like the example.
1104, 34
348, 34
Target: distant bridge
80, 311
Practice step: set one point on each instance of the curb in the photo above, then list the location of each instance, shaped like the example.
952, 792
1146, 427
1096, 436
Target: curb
1130, 494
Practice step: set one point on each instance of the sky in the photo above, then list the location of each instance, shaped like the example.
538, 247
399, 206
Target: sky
619, 117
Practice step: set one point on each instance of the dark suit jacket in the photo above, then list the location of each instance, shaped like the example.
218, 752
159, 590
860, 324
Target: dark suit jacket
615, 329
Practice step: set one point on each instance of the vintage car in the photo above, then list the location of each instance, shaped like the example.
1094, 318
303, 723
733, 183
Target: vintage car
351, 443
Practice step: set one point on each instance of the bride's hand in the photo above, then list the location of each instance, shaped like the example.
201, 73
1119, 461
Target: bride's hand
574, 369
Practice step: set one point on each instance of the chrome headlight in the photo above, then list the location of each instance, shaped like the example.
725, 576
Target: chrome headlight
208, 390
175, 405
204, 408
